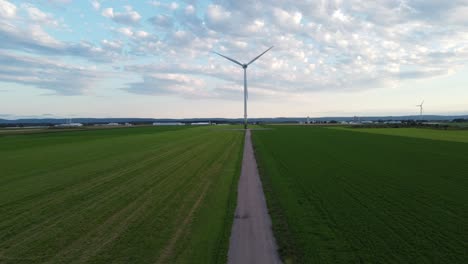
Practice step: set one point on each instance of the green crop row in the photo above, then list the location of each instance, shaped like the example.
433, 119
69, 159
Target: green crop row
130, 195
339, 196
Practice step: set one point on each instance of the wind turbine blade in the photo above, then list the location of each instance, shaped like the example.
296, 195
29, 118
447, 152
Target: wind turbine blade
233, 60
259, 56
422, 102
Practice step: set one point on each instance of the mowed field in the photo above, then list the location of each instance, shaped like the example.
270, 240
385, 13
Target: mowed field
342, 196
129, 195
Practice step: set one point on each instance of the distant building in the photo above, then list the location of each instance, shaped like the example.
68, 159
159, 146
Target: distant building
69, 125
168, 124
112, 124
200, 123
367, 122
128, 124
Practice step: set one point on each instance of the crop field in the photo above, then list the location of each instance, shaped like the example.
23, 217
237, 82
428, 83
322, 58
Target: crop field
129, 195
342, 196
427, 133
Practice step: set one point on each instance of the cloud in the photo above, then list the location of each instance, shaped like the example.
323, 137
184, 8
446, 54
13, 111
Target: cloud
162, 20
28, 34
335, 46
34, 39
169, 84
129, 17
38, 17
170, 6
217, 14
7, 9
95, 4
112, 45
60, 1
286, 19
63, 79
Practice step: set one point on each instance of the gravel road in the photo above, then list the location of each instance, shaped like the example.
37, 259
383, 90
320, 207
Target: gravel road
252, 239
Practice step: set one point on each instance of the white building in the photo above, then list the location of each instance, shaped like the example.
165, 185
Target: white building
200, 124
69, 125
168, 124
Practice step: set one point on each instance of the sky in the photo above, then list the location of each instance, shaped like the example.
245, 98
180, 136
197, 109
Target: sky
97, 58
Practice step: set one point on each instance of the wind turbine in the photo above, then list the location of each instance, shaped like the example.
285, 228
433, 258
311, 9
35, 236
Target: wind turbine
244, 66
420, 109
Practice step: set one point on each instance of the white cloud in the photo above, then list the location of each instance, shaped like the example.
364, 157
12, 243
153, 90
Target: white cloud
39, 17
338, 15
319, 45
7, 9
112, 45
170, 84
49, 74
169, 6
174, 6
32, 38
189, 9
217, 14
162, 20
95, 4
60, 1
141, 34
129, 17
125, 31
108, 12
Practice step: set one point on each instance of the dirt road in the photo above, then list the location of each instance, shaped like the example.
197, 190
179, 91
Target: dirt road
251, 239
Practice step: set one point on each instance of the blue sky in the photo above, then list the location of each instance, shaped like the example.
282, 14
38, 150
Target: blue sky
68, 58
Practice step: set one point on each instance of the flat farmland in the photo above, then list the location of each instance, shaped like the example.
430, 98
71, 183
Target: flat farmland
427, 133
129, 195
342, 196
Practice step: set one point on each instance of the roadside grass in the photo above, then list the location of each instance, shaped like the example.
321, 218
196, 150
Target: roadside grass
129, 195
427, 133
338, 196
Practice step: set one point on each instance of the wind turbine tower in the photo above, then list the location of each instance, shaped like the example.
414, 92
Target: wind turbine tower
420, 109
244, 66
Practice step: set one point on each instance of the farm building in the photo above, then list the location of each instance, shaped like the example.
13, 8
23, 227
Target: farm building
69, 125
168, 124
200, 123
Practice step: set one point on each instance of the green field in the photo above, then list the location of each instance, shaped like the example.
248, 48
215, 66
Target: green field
427, 133
128, 195
342, 196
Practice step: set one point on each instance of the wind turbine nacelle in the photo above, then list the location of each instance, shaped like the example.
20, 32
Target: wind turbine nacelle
245, 66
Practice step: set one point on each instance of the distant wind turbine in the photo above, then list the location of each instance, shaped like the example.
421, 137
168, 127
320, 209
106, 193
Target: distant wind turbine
420, 109
244, 66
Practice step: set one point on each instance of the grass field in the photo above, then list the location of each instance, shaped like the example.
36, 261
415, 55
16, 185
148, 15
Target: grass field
342, 196
427, 133
128, 195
